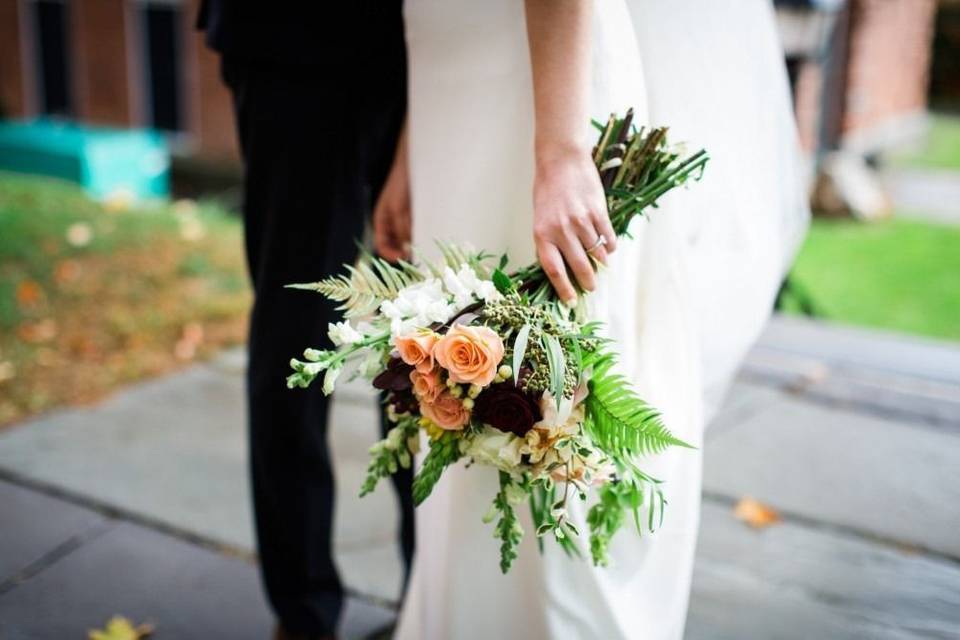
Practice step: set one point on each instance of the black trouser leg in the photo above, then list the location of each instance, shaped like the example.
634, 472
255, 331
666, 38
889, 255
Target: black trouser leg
312, 166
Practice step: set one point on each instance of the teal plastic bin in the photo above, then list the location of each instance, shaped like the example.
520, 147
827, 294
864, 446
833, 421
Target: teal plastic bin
104, 161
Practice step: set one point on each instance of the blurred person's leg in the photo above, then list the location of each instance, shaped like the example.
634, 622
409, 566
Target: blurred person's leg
306, 149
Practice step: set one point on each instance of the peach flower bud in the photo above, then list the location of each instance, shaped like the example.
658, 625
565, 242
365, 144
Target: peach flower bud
427, 386
417, 349
471, 355
446, 412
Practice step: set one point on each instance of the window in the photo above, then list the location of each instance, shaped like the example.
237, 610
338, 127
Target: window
50, 22
162, 59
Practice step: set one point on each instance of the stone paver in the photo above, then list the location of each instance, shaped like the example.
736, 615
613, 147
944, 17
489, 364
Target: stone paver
35, 526
171, 450
793, 581
854, 435
897, 480
187, 591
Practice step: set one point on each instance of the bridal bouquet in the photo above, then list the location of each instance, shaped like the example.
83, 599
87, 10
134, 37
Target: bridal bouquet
495, 370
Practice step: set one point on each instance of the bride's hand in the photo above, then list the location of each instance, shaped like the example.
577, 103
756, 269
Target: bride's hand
570, 217
569, 207
391, 215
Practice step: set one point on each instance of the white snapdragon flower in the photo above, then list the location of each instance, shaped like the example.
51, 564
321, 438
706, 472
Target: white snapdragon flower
465, 285
458, 287
343, 333
487, 291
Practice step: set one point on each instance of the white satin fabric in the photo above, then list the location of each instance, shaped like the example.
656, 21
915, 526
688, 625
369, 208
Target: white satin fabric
683, 299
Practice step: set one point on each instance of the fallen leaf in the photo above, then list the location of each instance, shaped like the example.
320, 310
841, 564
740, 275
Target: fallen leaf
66, 271
185, 207
39, 331
29, 293
7, 371
120, 628
190, 339
755, 513
192, 229
79, 234
119, 200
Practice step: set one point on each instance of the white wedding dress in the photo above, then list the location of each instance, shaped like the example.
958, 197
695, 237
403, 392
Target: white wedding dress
684, 298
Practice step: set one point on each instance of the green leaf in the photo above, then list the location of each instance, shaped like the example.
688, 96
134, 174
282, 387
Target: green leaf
620, 422
519, 350
502, 282
557, 363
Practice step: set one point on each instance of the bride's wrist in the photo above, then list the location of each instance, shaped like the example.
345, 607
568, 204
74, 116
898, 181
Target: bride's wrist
550, 153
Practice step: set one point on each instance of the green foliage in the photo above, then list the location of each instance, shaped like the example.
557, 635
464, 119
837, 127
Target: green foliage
897, 274
557, 363
502, 282
940, 148
604, 519
390, 454
627, 494
508, 529
519, 349
618, 420
444, 451
361, 290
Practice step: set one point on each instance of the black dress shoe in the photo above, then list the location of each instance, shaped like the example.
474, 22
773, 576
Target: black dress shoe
282, 634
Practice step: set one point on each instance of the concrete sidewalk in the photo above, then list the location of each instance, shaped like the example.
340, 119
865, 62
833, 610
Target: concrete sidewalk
140, 506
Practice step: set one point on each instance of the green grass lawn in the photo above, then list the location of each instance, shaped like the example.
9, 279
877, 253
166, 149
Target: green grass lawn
902, 275
96, 295
939, 150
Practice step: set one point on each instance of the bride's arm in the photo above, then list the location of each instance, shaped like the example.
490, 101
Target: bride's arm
570, 212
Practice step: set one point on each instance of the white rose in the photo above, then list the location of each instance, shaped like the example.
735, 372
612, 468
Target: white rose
495, 448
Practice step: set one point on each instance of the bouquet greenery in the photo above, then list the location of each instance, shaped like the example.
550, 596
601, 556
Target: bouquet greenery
497, 371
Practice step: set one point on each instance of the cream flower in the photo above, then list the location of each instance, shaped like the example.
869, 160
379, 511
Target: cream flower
496, 448
343, 333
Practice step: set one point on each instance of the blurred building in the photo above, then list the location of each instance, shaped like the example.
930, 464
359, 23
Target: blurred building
861, 73
126, 63
860, 70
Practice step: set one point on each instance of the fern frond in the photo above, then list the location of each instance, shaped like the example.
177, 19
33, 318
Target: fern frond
619, 421
365, 285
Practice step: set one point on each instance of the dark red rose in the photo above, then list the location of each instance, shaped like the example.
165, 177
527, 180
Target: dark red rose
403, 402
507, 408
396, 377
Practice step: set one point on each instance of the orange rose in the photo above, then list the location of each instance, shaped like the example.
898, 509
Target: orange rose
470, 354
417, 349
427, 386
446, 412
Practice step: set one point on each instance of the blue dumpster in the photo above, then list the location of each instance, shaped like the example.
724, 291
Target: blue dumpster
104, 161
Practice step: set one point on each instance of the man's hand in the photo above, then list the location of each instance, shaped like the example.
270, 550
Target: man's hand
391, 215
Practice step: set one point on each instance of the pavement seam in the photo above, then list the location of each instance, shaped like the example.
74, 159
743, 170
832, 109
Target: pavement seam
865, 535
56, 554
115, 514
809, 391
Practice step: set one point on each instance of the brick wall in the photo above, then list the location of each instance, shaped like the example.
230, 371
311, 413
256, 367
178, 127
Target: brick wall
879, 90
100, 53
12, 99
108, 80
889, 62
211, 112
